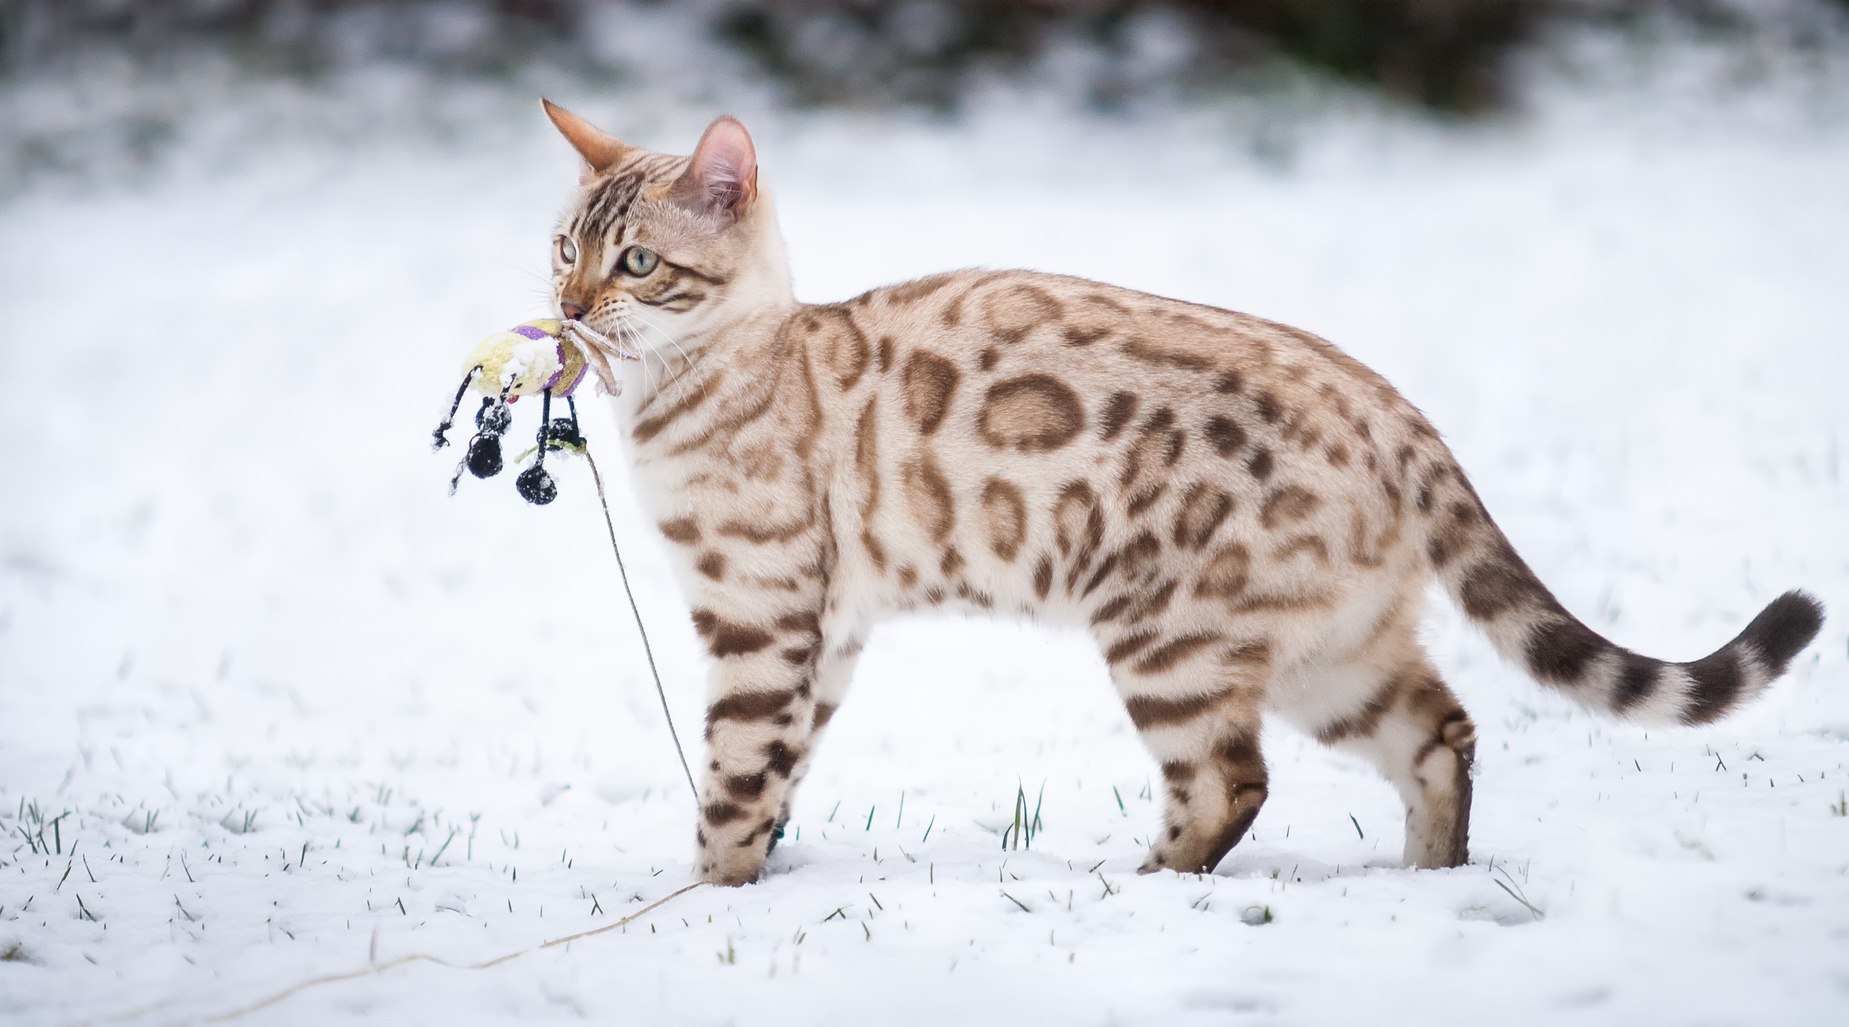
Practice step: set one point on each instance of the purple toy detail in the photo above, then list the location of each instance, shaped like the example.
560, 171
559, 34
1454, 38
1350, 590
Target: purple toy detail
530, 332
572, 386
564, 388
554, 380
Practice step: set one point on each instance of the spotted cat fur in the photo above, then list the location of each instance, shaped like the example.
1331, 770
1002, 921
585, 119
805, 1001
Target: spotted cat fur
1244, 517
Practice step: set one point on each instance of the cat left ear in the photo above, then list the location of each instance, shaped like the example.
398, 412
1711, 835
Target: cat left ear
601, 150
722, 176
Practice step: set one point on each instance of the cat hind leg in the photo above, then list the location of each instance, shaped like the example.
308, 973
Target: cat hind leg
1412, 728
1196, 705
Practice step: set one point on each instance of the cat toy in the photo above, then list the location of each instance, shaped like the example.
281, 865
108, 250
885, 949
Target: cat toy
543, 357
546, 357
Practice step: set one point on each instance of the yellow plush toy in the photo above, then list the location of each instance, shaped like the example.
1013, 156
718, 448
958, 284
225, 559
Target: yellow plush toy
528, 360
543, 357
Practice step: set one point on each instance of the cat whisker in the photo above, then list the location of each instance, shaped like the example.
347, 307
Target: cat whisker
625, 333
671, 375
621, 345
547, 279
625, 330
692, 363
685, 373
689, 359
648, 374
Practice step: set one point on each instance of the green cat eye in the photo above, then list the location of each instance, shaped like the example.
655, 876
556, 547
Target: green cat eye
568, 249
639, 260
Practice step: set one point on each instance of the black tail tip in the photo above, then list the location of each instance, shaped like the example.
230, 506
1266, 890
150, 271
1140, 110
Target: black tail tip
1784, 628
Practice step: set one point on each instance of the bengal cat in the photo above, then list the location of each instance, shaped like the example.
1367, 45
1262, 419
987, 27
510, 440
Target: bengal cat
1243, 516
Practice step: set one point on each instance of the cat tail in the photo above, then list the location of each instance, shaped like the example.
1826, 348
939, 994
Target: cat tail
1494, 587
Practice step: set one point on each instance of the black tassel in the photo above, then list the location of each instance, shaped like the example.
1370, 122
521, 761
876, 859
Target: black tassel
534, 484
493, 419
440, 437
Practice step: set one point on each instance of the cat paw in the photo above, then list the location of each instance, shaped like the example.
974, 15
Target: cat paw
1156, 863
727, 877
731, 864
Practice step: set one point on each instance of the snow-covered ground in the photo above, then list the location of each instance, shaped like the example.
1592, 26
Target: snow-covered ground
274, 708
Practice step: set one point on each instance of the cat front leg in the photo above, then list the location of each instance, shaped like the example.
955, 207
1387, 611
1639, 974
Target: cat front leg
834, 669
758, 721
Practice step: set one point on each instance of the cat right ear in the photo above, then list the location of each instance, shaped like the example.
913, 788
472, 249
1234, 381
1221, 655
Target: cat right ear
601, 150
722, 175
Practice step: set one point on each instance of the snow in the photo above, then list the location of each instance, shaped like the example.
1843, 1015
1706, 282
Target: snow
302, 714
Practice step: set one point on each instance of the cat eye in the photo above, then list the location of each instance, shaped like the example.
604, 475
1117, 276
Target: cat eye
639, 260
568, 250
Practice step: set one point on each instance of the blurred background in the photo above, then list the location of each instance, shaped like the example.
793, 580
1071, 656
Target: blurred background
111, 86
243, 244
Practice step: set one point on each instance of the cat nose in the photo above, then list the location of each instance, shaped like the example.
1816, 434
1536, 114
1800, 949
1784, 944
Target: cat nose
572, 311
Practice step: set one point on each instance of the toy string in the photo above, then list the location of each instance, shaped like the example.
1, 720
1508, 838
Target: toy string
637, 611
379, 968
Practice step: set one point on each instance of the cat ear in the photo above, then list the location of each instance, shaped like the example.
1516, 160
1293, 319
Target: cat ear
601, 150
722, 175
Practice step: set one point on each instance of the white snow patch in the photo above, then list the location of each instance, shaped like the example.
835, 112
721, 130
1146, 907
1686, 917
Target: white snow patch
281, 709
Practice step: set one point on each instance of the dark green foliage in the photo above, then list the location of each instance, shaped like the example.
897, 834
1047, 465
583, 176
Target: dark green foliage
1446, 53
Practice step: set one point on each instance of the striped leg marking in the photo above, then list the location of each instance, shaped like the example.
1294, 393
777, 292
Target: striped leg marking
1212, 800
1195, 700
833, 672
1413, 729
757, 731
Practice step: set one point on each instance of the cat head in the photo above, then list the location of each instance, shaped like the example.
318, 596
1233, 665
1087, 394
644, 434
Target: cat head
657, 247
